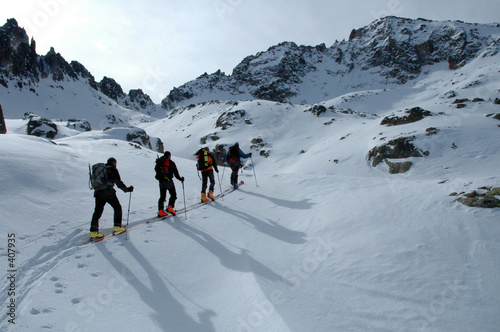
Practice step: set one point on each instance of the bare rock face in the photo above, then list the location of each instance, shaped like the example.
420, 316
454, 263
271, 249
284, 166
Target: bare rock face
412, 115
399, 148
485, 197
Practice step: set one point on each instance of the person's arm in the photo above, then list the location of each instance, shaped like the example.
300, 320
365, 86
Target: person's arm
214, 163
116, 179
244, 155
175, 172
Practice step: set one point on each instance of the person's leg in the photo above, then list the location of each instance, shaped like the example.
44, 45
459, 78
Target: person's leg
173, 196
204, 181
171, 201
234, 174
99, 208
210, 175
163, 196
115, 203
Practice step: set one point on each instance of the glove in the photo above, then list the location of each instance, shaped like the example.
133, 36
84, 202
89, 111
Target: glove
182, 179
130, 189
250, 154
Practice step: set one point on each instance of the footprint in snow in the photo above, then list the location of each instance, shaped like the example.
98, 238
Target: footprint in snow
59, 286
35, 311
76, 300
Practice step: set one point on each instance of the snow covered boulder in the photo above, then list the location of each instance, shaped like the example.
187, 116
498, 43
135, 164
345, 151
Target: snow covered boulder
398, 167
139, 136
317, 110
213, 136
486, 197
412, 115
3, 128
80, 125
41, 127
228, 118
398, 148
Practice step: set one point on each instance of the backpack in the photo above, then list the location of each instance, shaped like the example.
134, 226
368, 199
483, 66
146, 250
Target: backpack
234, 154
204, 160
99, 176
162, 169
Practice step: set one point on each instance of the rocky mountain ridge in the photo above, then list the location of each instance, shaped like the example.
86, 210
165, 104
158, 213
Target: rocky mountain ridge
394, 49
22, 67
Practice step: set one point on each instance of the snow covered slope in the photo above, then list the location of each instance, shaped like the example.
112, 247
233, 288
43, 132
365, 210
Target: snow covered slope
317, 239
325, 242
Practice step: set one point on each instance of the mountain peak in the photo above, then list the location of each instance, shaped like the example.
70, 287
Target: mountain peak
394, 48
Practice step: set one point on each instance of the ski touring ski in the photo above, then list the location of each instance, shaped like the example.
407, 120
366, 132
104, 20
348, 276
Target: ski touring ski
147, 222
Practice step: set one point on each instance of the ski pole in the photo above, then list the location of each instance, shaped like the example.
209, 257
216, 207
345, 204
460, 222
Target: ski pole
220, 186
184, 194
128, 213
223, 169
90, 178
254, 175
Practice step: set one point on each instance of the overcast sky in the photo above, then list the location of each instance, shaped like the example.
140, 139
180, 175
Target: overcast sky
156, 45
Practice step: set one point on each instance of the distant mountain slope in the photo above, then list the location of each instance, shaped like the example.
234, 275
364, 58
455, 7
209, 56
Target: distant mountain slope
49, 86
389, 50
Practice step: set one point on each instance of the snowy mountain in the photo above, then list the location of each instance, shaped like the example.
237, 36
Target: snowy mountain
49, 86
389, 50
364, 209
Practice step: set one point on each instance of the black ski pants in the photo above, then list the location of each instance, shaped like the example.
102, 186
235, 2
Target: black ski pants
164, 186
234, 174
102, 197
205, 176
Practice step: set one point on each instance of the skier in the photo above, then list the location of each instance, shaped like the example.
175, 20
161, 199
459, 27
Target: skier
165, 171
108, 195
233, 159
206, 165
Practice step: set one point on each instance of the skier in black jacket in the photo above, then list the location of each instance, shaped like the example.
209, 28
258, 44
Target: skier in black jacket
108, 195
233, 158
165, 172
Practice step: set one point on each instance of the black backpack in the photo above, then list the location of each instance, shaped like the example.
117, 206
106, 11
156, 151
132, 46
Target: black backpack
99, 176
162, 169
234, 154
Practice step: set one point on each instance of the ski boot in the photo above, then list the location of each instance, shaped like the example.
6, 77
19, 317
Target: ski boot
119, 229
204, 198
171, 210
96, 235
